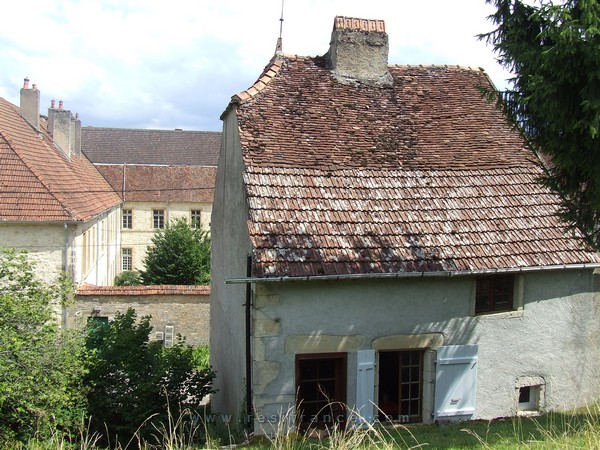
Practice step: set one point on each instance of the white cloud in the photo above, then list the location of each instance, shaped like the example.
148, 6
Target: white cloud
151, 63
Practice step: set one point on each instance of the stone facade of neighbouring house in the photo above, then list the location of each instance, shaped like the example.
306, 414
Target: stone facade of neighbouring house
175, 310
161, 175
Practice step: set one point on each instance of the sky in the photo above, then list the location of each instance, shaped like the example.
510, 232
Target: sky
176, 64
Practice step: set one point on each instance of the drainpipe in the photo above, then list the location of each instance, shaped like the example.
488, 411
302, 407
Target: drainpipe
65, 270
248, 343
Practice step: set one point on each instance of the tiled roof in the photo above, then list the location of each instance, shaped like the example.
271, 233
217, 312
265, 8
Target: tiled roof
38, 183
146, 183
425, 175
131, 146
91, 290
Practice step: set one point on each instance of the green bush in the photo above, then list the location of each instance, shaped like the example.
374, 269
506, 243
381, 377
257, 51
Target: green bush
180, 254
135, 385
128, 278
41, 366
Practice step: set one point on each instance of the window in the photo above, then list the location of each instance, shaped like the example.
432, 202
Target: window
530, 395
169, 336
127, 219
126, 259
196, 218
321, 389
158, 217
401, 385
494, 293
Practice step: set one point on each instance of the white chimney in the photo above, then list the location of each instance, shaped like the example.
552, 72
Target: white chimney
30, 104
64, 129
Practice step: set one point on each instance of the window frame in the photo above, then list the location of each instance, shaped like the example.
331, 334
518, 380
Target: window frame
340, 378
127, 219
128, 257
158, 219
196, 218
494, 290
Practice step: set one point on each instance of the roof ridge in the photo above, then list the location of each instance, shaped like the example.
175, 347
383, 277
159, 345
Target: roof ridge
92, 128
440, 66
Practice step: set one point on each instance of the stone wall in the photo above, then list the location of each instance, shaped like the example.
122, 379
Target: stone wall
186, 308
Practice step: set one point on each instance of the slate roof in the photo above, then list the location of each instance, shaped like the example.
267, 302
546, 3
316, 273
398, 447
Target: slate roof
422, 176
148, 183
38, 183
166, 147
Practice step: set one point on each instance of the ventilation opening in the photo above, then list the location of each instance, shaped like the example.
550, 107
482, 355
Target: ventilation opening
530, 395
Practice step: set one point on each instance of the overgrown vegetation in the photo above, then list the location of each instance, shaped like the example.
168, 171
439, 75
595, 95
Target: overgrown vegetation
106, 384
41, 366
135, 385
180, 254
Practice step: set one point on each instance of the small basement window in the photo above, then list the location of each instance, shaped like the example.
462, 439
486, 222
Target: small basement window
530, 395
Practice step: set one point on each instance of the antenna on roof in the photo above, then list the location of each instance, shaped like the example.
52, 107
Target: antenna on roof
279, 46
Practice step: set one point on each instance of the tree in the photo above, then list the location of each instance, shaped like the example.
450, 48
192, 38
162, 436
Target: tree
180, 255
554, 52
134, 383
41, 366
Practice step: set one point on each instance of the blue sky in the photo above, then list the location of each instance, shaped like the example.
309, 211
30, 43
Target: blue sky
176, 64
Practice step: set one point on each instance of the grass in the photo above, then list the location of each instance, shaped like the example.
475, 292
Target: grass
573, 430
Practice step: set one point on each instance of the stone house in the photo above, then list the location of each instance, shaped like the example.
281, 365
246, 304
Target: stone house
380, 240
161, 175
53, 202
183, 310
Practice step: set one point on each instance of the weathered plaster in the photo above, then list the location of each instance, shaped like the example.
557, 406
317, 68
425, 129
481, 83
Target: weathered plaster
554, 336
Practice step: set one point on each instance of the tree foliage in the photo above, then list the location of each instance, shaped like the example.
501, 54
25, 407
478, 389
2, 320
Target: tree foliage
41, 366
180, 254
134, 383
554, 51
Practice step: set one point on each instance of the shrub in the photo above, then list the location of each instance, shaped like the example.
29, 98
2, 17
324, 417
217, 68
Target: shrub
180, 254
135, 384
128, 278
41, 366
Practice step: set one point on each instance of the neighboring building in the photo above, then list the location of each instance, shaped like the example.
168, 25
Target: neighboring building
175, 310
400, 250
53, 202
161, 175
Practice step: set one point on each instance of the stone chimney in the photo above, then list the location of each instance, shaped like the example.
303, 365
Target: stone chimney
30, 104
64, 129
358, 51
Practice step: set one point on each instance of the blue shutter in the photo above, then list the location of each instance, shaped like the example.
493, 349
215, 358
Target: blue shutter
455, 381
365, 385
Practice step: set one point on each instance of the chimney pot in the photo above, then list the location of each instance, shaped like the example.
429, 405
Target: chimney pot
26, 83
52, 103
60, 104
34, 86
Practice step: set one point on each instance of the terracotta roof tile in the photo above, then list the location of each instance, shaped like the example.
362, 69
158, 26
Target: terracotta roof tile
161, 183
91, 290
38, 183
166, 147
425, 175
